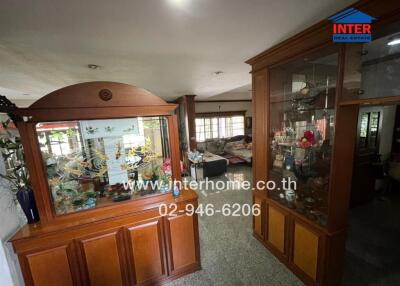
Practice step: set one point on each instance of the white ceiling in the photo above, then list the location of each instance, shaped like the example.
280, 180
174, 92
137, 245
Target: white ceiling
170, 47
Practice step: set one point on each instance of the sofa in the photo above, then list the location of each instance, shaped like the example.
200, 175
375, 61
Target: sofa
236, 149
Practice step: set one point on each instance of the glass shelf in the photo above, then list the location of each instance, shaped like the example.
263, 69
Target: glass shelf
301, 133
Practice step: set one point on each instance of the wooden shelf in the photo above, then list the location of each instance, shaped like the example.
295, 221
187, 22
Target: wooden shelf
372, 101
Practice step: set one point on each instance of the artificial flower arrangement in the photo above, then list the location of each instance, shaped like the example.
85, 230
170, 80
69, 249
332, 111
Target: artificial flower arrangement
166, 175
307, 141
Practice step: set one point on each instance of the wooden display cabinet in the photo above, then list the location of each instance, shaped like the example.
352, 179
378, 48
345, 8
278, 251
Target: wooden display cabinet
87, 235
306, 95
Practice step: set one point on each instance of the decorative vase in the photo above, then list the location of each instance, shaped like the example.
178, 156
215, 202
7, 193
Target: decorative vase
26, 199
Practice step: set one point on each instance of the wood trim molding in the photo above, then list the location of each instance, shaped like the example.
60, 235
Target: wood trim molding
36, 170
223, 100
388, 100
220, 114
98, 94
57, 114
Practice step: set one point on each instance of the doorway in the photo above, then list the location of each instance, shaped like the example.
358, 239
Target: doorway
372, 250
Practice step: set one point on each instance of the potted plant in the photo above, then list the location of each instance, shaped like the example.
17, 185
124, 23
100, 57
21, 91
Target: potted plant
17, 172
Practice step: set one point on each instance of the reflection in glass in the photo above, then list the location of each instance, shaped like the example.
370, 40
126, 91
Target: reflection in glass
302, 130
373, 69
369, 128
364, 130
90, 163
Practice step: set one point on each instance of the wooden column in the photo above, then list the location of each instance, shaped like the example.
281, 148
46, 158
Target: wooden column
189, 118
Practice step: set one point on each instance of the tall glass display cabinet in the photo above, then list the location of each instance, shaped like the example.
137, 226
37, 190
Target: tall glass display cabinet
101, 158
307, 91
301, 133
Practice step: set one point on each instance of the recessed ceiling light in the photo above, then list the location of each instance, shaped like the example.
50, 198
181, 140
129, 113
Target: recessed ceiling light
93, 66
177, 2
394, 40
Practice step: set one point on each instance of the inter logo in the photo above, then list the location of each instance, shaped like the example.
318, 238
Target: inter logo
351, 26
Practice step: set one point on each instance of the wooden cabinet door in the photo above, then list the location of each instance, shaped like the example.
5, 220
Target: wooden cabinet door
306, 249
103, 259
258, 221
276, 228
183, 242
146, 244
48, 267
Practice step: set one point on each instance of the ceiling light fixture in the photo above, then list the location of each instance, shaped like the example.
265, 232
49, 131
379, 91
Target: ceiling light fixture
93, 66
394, 40
177, 2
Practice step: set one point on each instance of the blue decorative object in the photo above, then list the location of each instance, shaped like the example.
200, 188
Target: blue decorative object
164, 189
90, 203
176, 192
195, 157
289, 162
26, 199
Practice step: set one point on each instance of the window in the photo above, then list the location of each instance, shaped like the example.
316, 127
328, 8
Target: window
209, 126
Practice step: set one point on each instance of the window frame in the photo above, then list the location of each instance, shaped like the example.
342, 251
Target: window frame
211, 115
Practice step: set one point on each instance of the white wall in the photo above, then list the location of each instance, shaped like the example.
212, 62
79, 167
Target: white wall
224, 106
12, 219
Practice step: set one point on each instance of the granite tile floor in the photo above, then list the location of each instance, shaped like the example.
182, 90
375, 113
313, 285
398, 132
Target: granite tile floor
230, 255
373, 244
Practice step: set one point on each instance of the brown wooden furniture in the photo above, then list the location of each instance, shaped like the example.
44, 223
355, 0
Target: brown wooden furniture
314, 251
116, 243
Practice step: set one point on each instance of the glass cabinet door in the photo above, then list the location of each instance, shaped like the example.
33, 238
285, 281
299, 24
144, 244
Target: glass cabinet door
302, 100
372, 70
93, 163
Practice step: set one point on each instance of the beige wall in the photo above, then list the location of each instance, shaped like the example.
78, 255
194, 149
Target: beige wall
224, 106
